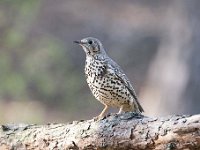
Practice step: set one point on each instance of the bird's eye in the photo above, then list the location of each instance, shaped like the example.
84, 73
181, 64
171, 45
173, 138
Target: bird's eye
90, 42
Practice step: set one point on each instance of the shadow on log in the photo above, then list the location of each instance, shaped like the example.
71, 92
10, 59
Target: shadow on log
125, 131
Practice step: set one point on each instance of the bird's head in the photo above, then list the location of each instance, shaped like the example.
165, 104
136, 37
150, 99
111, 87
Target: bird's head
91, 46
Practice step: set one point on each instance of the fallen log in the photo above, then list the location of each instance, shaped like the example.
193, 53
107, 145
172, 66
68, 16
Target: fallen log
124, 131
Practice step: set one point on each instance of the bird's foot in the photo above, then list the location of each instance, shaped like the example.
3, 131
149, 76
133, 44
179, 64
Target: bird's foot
98, 118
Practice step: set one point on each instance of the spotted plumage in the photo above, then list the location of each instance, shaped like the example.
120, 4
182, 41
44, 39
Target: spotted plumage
106, 79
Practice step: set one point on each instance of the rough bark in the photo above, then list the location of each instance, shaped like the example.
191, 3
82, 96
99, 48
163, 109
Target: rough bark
126, 131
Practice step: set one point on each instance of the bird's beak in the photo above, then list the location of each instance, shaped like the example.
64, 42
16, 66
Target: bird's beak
77, 42
81, 43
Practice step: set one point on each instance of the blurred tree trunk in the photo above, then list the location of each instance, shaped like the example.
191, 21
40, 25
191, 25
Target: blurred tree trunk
126, 131
173, 77
193, 83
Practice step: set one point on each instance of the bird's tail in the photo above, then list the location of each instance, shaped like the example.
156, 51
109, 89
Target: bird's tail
136, 107
140, 107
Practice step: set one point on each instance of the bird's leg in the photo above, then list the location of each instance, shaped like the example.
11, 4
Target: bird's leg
102, 113
120, 110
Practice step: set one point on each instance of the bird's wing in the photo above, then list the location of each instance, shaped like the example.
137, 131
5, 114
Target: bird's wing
124, 79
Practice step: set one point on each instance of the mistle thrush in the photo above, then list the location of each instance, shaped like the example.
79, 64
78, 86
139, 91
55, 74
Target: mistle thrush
106, 79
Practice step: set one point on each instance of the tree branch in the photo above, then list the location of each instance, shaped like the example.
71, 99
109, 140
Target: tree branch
126, 131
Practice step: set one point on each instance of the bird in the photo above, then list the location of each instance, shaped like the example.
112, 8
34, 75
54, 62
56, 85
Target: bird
106, 80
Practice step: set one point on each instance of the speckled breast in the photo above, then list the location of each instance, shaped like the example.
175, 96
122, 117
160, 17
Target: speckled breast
104, 85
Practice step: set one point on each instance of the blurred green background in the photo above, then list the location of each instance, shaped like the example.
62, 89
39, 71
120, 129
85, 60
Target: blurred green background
41, 70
